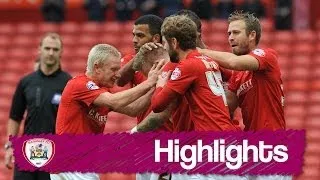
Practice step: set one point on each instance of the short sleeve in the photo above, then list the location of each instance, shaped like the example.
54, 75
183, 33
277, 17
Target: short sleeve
267, 58
18, 105
183, 76
87, 92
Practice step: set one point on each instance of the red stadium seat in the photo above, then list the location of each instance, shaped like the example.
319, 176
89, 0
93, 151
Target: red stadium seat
218, 38
111, 39
315, 123
314, 96
267, 25
4, 41
283, 48
23, 41
296, 97
7, 29
218, 25
48, 27
89, 41
69, 40
298, 85
91, 28
301, 60
266, 39
112, 28
313, 110
294, 122
206, 27
283, 37
303, 48
284, 61
70, 28
305, 36
299, 73
26, 28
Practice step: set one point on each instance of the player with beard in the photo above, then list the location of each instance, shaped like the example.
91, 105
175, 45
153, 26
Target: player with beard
196, 77
258, 87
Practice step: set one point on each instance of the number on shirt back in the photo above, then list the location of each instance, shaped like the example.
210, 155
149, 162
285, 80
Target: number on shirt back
214, 80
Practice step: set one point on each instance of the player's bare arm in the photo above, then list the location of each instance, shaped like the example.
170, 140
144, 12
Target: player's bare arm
139, 58
153, 121
232, 61
128, 70
126, 73
137, 106
124, 98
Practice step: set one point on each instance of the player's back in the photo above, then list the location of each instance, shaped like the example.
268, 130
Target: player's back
199, 79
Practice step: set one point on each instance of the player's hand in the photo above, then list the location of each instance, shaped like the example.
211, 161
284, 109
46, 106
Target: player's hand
149, 46
139, 58
155, 72
163, 79
8, 158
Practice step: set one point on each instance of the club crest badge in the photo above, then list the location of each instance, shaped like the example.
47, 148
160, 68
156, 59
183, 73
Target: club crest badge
38, 151
175, 74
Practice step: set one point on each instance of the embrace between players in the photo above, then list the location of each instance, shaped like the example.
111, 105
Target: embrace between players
177, 84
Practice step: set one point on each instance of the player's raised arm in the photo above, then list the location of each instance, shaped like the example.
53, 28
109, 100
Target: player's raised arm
232, 61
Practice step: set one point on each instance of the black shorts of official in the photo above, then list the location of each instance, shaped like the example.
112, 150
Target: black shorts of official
26, 175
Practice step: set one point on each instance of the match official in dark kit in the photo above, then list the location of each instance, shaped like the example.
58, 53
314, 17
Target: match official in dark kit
39, 93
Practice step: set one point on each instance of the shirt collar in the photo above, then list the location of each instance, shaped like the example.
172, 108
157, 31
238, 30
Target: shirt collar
39, 71
193, 53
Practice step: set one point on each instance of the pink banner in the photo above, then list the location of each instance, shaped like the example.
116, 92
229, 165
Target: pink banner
241, 153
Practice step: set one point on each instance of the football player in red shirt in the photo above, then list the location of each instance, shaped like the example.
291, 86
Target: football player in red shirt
146, 29
258, 86
197, 77
178, 113
86, 101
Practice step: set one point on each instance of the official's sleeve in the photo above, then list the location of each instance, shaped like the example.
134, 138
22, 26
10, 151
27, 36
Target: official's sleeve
267, 58
87, 92
18, 105
183, 76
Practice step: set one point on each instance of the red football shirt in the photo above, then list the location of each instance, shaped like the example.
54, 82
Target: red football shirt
180, 116
198, 78
76, 113
168, 125
260, 93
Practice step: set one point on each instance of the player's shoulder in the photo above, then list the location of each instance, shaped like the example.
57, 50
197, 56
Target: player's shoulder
265, 51
82, 82
65, 75
126, 58
30, 76
169, 66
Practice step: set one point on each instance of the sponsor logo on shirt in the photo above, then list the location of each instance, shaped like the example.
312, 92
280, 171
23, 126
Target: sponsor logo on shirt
92, 86
56, 98
38, 151
244, 87
259, 52
101, 119
175, 74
